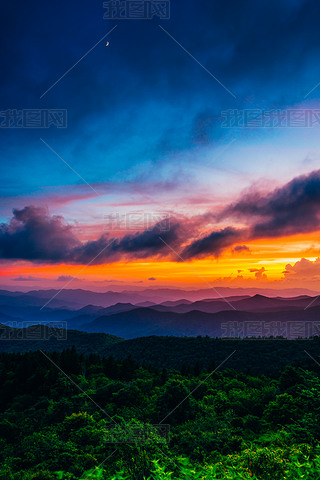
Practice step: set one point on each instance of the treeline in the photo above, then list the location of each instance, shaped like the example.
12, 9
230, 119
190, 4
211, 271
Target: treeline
252, 356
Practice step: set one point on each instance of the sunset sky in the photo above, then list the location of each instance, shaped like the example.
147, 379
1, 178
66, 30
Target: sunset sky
149, 185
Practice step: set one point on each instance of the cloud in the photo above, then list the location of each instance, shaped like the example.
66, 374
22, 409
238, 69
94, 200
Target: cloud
29, 278
259, 273
151, 242
241, 249
67, 278
212, 244
32, 234
291, 209
303, 269
152, 279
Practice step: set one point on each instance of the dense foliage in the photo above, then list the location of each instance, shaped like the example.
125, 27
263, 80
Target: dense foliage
253, 356
69, 416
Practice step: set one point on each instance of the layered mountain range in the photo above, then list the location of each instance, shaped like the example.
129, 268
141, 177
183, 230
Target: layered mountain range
132, 314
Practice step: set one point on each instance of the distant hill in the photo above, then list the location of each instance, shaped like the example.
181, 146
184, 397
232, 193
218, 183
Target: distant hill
236, 316
79, 298
34, 313
177, 302
16, 308
257, 303
41, 337
290, 323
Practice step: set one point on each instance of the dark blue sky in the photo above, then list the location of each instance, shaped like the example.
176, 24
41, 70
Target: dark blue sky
141, 103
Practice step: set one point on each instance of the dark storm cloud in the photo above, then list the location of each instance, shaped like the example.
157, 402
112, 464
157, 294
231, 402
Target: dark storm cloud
138, 245
32, 234
291, 209
212, 244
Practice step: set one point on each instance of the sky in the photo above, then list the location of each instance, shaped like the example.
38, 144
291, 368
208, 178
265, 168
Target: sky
178, 149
